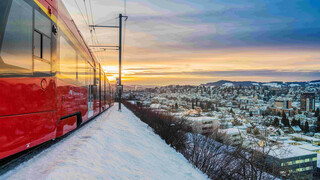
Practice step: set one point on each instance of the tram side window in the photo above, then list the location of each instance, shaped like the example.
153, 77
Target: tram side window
95, 84
16, 50
98, 83
87, 78
68, 60
82, 70
91, 85
42, 23
105, 88
42, 44
102, 86
37, 44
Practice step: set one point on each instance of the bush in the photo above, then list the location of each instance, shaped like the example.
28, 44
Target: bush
169, 128
212, 154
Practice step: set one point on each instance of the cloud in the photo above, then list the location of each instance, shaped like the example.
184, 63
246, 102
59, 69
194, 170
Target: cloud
235, 73
215, 38
251, 23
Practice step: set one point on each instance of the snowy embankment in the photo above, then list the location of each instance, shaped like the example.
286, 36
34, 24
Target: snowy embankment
117, 145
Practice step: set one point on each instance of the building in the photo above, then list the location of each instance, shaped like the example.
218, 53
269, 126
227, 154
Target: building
203, 124
234, 135
307, 101
295, 160
283, 103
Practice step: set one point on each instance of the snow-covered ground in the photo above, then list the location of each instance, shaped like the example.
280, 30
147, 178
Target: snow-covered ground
117, 145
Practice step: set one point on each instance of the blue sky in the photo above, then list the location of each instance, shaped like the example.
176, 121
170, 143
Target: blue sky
192, 42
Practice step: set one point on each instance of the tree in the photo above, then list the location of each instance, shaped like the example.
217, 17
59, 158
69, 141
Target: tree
209, 104
294, 122
206, 107
256, 131
216, 156
276, 122
267, 112
285, 120
316, 114
299, 124
201, 105
306, 127
278, 113
318, 124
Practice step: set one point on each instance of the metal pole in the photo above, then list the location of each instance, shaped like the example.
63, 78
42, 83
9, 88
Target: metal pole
120, 49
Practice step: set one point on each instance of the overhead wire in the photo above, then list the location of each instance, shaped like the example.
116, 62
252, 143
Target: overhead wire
92, 19
84, 19
85, 6
92, 30
93, 35
124, 27
87, 14
125, 7
103, 54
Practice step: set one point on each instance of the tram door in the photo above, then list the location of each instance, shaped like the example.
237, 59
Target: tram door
90, 91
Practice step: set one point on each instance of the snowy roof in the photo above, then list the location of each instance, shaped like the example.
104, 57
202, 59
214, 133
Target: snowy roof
202, 118
296, 128
230, 131
280, 138
294, 85
301, 136
309, 147
290, 151
155, 106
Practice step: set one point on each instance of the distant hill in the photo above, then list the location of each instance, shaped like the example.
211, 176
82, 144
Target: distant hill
137, 87
236, 83
315, 81
249, 83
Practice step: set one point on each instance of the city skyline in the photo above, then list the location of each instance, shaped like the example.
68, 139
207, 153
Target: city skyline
187, 42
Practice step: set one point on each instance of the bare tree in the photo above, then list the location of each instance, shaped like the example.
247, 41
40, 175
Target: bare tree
216, 156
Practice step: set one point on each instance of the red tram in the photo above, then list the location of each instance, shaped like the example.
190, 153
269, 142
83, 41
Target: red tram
50, 83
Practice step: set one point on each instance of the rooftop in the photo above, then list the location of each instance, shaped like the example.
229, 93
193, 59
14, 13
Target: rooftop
289, 151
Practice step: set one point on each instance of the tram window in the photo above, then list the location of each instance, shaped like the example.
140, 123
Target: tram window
86, 74
16, 51
68, 60
42, 23
42, 54
37, 44
46, 51
81, 70
42, 46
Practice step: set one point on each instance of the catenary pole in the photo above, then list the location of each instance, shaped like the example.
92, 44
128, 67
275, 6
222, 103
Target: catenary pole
120, 51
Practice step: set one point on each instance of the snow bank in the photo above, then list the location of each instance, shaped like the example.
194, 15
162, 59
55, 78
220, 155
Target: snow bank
117, 145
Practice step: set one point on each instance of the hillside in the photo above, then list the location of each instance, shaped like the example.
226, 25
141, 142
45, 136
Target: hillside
116, 145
